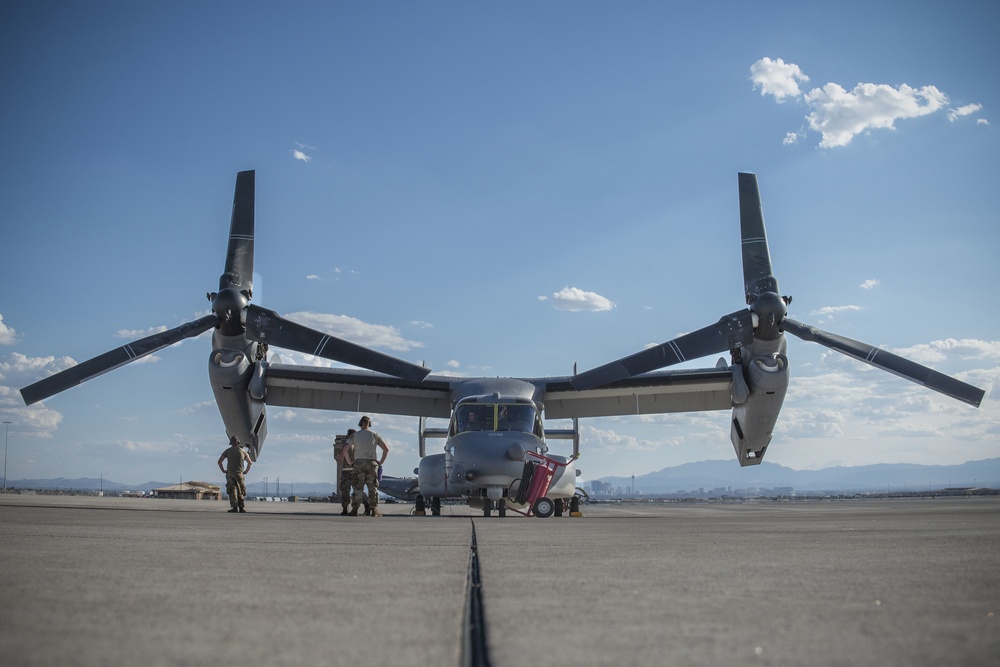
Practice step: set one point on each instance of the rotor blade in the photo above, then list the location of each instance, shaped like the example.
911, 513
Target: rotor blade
266, 326
111, 360
888, 361
729, 332
239, 256
756, 256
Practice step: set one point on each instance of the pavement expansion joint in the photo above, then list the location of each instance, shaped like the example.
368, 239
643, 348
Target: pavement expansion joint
475, 649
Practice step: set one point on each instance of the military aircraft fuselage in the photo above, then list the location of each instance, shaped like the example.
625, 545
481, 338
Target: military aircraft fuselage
495, 426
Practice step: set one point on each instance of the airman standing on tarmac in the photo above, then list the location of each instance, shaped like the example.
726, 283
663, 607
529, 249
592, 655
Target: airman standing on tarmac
362, 452
347, 475
236, 488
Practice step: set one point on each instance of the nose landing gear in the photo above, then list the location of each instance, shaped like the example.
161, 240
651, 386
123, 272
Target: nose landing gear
499, 505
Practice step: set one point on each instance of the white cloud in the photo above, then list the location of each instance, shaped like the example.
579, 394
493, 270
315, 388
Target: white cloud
35, 421
614, 440
576, 299
871, 283
197, 408
955, 114
355, 331
982, 121
840, 115
18, 370
135, 334
777, 78
830, 311
939, 350
816, 423
299, 155
7, 334
312, 276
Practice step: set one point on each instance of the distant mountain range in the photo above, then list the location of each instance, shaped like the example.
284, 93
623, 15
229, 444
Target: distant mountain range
892, 477
93, 484
690, 477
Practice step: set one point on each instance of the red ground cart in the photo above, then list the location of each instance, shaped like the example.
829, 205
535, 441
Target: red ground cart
535, 482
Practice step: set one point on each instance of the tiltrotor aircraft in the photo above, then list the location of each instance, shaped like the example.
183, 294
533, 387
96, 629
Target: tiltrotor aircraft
496, 426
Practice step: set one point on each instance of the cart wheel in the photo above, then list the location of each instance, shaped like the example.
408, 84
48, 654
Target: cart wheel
543, 508
502, 507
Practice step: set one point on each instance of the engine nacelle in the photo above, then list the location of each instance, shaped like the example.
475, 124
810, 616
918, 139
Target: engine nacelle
233, 373
766, 377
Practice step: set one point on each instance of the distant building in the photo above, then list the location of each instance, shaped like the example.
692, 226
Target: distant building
598, 487
190, 491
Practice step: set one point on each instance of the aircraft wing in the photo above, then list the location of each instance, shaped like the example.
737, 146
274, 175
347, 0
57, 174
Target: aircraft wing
647, 394
352, 390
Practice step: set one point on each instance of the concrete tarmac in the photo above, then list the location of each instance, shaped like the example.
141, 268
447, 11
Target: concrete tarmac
112, 581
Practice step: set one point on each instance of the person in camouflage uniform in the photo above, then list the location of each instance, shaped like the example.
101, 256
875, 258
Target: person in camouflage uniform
347, 476
236, 488
363, 445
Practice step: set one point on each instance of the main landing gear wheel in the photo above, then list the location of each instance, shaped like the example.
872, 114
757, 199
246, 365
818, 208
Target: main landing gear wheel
543, 508
502, 507
436, 506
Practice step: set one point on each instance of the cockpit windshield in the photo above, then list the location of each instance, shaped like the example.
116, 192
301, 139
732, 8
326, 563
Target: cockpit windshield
495, 417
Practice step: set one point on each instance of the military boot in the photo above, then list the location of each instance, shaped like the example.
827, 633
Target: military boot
375, 512
354, 511
343, 512
368, 510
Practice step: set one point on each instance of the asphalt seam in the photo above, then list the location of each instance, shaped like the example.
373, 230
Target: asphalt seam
475, 648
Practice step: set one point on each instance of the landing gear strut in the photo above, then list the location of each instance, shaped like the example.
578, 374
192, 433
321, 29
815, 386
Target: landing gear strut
499, 505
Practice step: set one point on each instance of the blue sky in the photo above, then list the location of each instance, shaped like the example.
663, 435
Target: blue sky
499, 189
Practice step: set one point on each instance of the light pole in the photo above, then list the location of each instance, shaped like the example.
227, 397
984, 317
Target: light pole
6, 429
